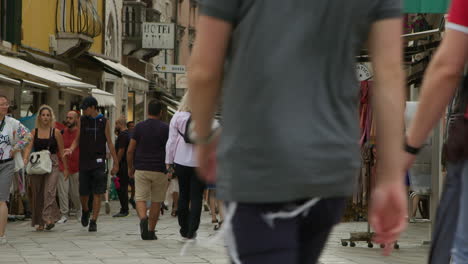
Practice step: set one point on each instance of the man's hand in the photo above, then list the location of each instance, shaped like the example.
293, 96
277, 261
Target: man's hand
115, 168
131, 173
67, 152
387, 212
66, 173
207, 164
13, 152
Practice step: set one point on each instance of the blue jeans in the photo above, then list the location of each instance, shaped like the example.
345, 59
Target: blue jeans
460, 243
450, 232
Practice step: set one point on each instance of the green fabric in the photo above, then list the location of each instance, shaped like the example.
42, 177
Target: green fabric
426, 6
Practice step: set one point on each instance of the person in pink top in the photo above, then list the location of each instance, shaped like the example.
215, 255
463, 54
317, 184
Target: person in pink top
181, 154
450, 239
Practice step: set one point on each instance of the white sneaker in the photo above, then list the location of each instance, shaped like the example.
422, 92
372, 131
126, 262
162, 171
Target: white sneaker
78, 215
62, 220
3, 240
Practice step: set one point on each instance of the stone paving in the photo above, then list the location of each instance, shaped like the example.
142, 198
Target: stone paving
117, 241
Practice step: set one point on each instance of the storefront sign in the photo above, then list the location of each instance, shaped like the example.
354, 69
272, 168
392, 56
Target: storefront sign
363, 73
169, 68
158, 35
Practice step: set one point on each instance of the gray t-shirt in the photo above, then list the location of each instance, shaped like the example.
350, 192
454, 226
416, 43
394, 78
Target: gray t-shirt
290, 96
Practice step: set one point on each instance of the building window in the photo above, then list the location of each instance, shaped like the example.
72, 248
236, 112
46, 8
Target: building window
131, 107
10, 20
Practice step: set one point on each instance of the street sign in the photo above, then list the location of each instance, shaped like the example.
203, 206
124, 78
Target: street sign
168, 68
158, 35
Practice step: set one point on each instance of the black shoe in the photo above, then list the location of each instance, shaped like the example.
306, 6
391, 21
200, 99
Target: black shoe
132, 202
121, 214
183, 233
192, 236
92, 226
152, 236
144, 229
85, 218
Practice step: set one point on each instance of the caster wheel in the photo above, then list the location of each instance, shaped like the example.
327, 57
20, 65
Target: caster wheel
352, 244
370, 245
396, 246
344, 244
382, 245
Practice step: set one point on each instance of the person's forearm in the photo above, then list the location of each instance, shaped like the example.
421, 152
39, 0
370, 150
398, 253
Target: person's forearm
130, 160
438, 89
389, 103
204, 98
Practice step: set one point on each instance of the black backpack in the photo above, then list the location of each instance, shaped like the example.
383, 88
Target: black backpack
186, 136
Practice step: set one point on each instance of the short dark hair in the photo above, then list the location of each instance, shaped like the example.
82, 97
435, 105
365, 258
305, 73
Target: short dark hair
130, 122
154, 108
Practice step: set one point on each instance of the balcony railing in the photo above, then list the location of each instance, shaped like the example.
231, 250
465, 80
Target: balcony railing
78, 17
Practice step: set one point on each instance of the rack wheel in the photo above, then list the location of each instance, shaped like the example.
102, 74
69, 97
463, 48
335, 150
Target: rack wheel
344, 244
352, 244
370, 245
396, 246
382, 245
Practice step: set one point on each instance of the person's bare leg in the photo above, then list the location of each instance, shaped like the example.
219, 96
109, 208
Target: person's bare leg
154, 215
212, 201
96, 206
141, 209
175, 201
3, 217
220, 210
84, 202
415, 206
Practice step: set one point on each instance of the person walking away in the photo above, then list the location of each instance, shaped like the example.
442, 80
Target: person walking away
68, 189
121, 146
145, 159
93, 135
45, 136
288, 145
14, 137
181, 154
131, 182
450, 235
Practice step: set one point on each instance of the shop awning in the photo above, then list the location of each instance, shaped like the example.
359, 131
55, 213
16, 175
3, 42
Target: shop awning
34, 73
104, 98
426, 6
6, 79
131, 78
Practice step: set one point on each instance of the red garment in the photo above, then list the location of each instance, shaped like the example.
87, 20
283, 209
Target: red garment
74, 158
458, 16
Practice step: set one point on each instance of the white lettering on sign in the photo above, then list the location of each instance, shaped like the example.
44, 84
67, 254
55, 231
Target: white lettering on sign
158, 36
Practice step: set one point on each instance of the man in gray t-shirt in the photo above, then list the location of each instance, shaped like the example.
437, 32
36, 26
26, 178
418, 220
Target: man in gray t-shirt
290, 119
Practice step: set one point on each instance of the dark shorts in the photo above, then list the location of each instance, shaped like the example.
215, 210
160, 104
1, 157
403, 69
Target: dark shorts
93, 181
298, 239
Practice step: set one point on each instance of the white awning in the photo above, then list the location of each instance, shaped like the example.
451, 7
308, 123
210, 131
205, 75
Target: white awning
104, 98
6, 79
119, 67
27, 70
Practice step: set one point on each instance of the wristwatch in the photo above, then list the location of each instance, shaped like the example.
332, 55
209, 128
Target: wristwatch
410, 149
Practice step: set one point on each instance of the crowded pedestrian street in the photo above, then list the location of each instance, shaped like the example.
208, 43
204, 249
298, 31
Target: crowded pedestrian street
118, 242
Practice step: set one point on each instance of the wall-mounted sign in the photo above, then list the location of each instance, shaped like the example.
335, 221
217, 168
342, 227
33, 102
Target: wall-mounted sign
363, 73
158, 35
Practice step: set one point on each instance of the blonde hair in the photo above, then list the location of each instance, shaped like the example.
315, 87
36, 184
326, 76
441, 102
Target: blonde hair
52, 116
184, 105
122, 121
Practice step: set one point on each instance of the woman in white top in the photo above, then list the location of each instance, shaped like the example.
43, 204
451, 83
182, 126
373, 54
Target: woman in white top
182, 155
13, 138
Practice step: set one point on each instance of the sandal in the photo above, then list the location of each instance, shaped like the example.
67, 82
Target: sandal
49, 227
218, 226
174, 213
215, 221
39, 228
